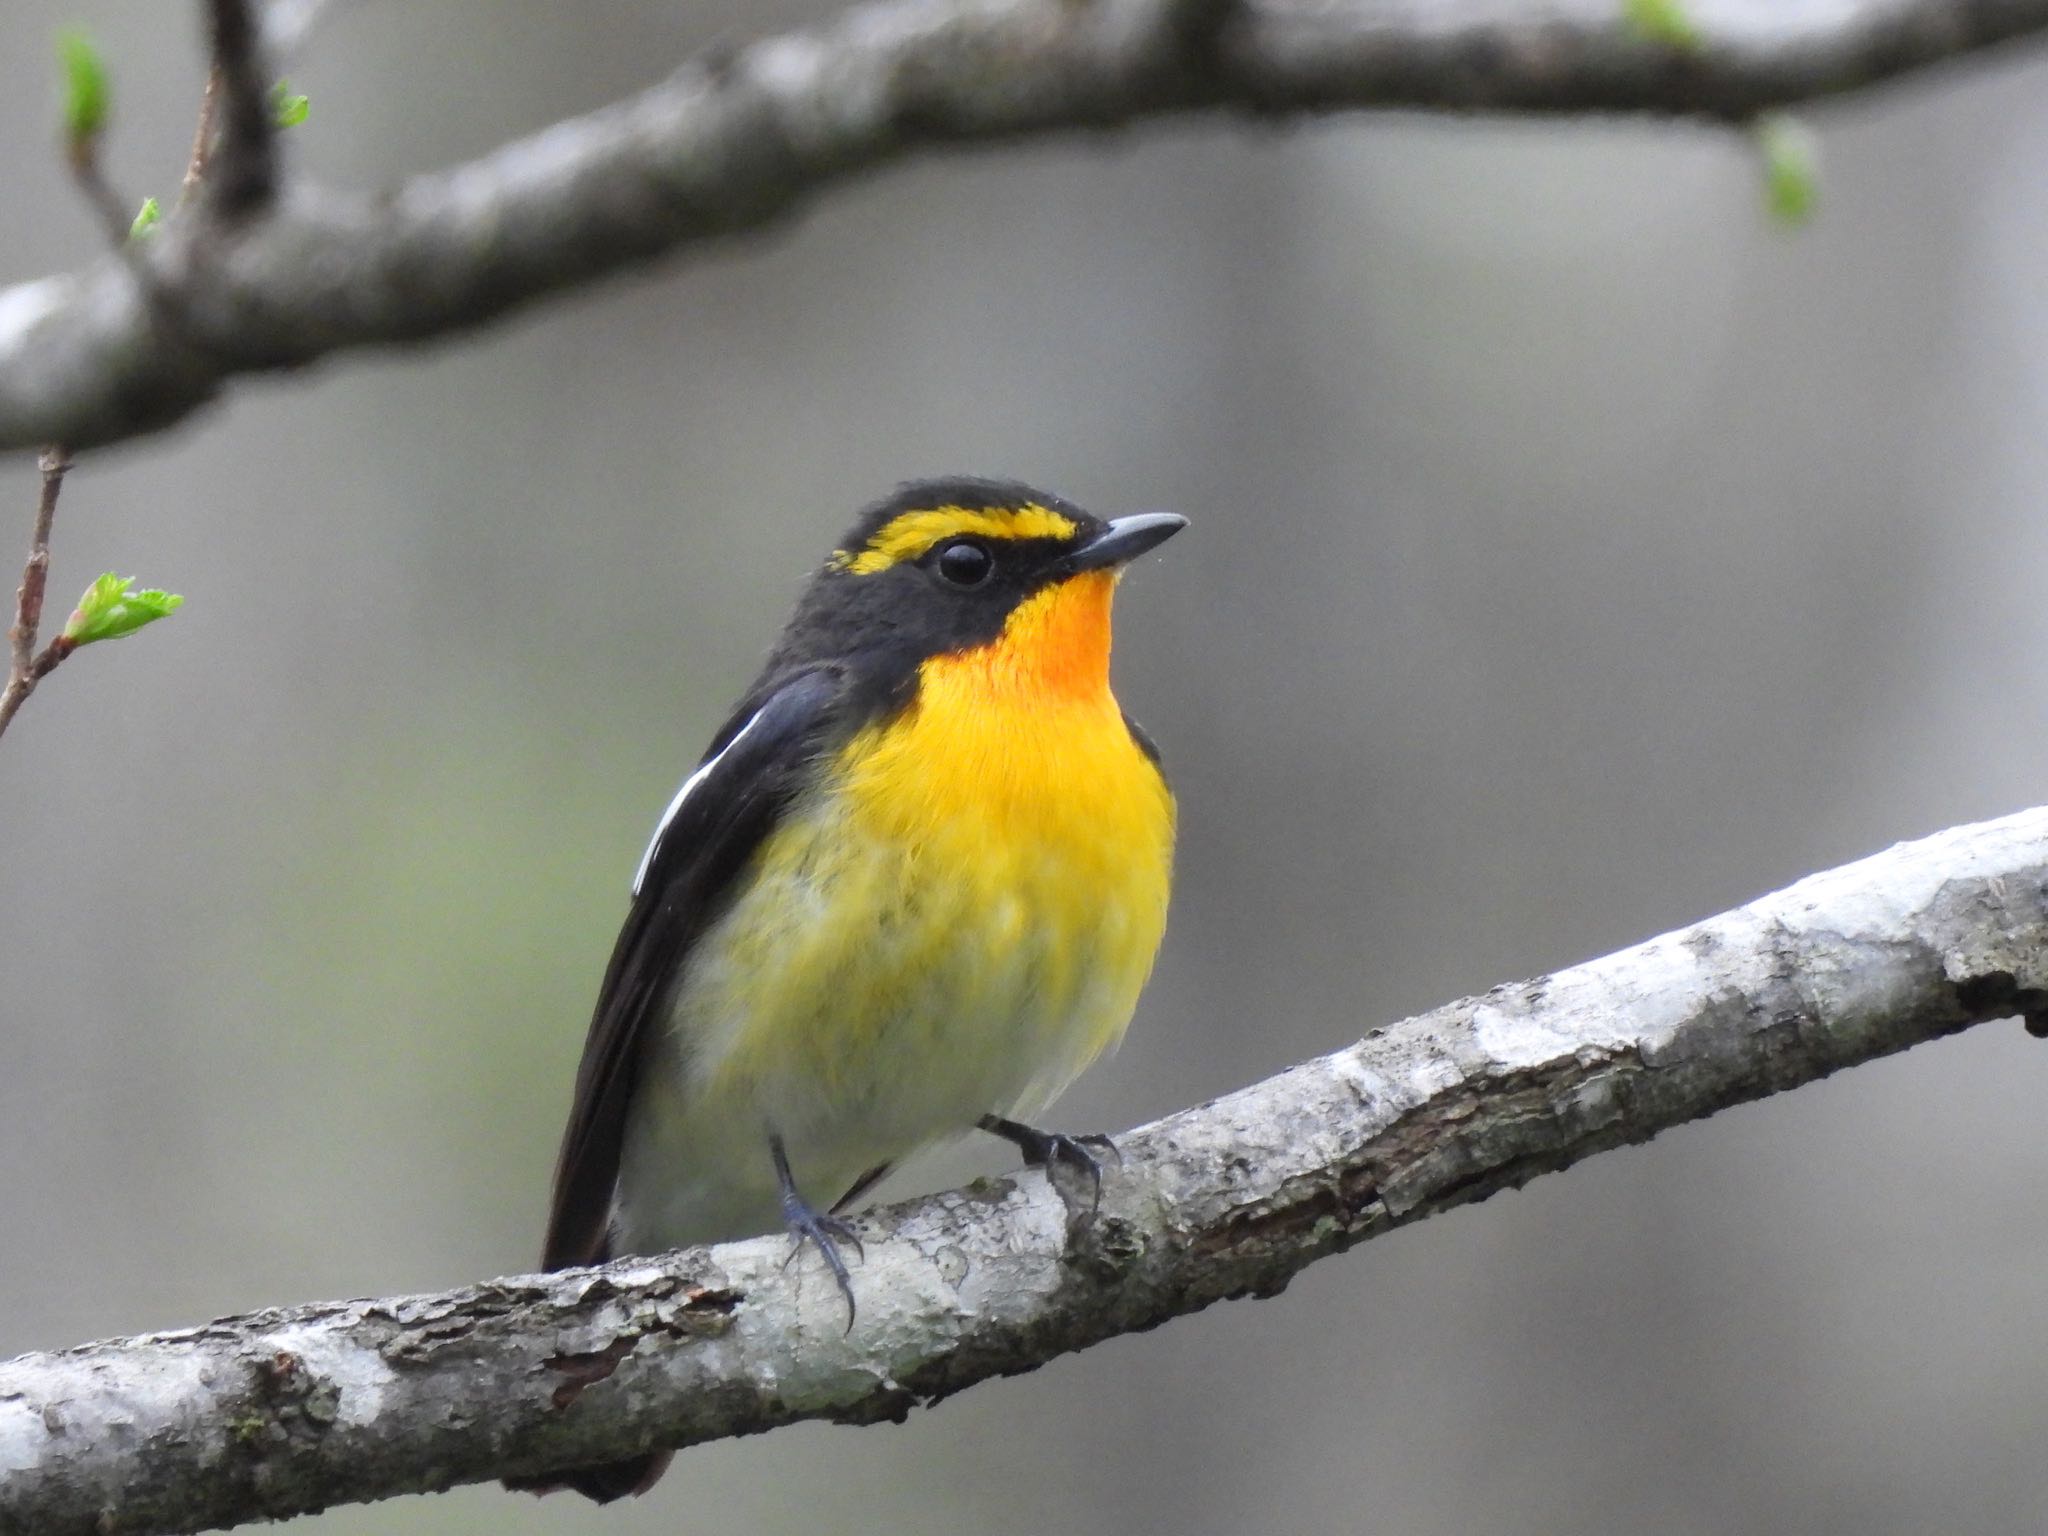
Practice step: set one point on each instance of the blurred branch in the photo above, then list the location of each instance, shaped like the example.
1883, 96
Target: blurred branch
240, 173
202, 136
281, 1412
738, 140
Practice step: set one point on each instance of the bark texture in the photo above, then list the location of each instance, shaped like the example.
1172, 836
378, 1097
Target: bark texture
738, 140
285, 1411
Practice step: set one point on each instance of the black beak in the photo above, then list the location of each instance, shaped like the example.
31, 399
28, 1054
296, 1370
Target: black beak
1125, 539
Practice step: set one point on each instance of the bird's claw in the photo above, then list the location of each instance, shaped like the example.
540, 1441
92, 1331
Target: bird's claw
820, 1229
1054, 1150
825, 1233
1102, 1143
1075, 1153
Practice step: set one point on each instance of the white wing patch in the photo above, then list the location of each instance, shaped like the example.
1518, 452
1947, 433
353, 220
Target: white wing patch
668, 816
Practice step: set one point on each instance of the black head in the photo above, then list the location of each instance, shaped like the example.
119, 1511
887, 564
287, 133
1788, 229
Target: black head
939, 566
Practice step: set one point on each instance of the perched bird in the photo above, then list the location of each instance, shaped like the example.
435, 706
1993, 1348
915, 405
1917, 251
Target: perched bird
913, 888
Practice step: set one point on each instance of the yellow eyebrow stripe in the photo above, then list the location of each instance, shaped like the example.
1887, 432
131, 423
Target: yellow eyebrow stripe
910, 535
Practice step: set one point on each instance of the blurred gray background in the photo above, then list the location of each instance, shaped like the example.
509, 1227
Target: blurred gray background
1575, 554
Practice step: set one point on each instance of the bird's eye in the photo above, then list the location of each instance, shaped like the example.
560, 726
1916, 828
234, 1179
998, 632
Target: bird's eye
965, 563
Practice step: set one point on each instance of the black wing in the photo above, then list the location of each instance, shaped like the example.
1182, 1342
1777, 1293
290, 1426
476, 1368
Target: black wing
1144, 740
756, 766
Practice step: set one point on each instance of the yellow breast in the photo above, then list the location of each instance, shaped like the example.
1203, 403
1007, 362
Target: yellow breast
962, 917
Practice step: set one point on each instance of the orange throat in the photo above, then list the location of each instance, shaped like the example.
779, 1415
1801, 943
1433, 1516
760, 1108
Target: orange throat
1053, 649
1028, 724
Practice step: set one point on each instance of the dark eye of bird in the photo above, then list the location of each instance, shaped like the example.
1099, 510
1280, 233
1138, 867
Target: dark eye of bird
965, 563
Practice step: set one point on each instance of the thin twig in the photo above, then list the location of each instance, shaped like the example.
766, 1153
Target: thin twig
202, 137
25, 667
116, 214
243, 174
233, 58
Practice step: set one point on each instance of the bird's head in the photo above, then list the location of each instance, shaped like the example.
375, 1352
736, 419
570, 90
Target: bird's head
1016, 577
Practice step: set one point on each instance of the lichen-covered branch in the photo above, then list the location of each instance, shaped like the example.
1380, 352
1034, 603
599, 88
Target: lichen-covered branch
739, 139
282, 1412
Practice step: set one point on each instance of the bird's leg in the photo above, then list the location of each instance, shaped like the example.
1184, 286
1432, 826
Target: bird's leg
1052, 1151
807, 1224
862, 1185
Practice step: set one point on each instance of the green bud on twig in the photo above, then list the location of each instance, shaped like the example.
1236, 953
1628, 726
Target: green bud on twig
287, 109
110, 610
145, 219
1791, 167
87, 95
1663, 21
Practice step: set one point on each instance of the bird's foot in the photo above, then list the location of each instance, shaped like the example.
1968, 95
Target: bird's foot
825, 1233
822, 1230
1055, 1152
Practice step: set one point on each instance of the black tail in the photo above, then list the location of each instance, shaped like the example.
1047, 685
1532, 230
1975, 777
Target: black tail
613, 1480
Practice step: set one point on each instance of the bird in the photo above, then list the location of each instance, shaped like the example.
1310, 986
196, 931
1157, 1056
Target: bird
913, 888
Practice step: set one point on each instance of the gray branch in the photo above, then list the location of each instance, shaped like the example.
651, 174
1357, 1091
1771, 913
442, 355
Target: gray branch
282, 1412
738, 140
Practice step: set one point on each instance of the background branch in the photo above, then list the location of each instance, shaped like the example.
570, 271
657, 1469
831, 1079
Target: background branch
735, 142
202, 136
286, 1411
242, 175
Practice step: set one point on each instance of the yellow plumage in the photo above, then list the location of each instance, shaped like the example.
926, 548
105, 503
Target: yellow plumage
954, 921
